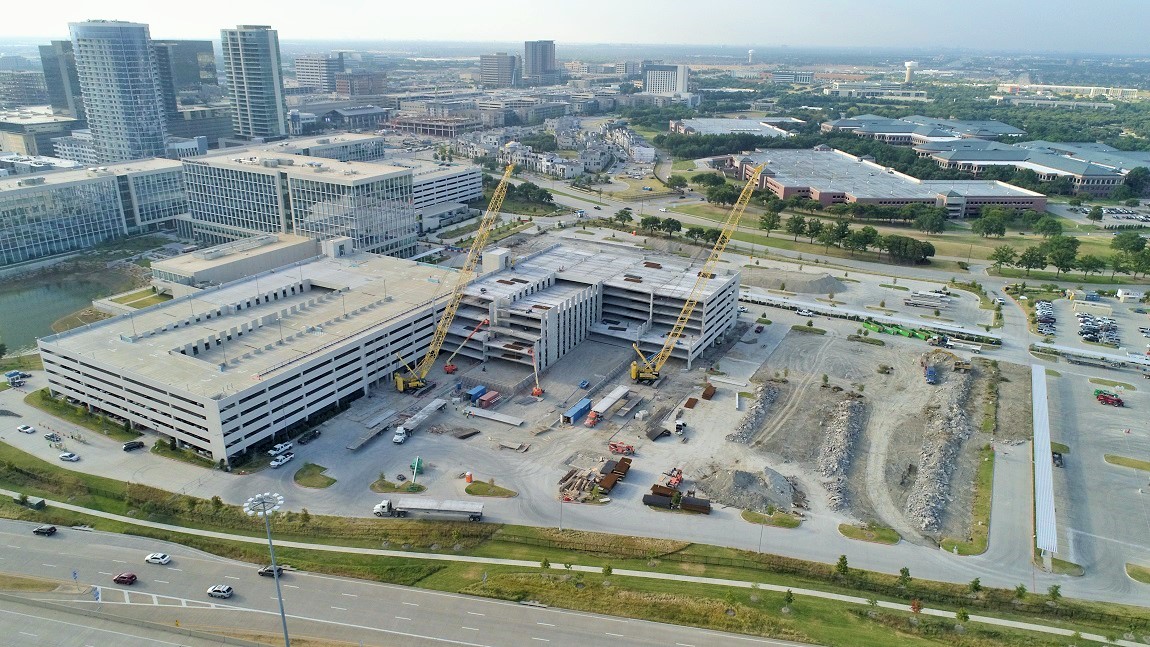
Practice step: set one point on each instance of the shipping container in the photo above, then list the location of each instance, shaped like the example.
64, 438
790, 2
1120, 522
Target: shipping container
578, 411
477, 392
657, 501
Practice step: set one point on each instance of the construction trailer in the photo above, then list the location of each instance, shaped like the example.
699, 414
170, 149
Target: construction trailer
476, 392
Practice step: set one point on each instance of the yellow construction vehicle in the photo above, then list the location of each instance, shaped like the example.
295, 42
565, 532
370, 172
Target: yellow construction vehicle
646, 369
416, 376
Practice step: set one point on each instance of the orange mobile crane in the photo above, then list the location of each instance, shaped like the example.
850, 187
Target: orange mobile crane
416, 376
646, 369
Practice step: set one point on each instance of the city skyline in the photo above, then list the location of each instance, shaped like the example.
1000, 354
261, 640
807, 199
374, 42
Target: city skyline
1061, 26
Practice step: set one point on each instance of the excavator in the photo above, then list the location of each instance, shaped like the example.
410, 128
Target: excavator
451, 368
416, 376
646, 369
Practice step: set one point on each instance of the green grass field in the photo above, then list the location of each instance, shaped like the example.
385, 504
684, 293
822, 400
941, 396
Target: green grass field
312, 476
871, 532
776, 519
1138, 573
1126, 461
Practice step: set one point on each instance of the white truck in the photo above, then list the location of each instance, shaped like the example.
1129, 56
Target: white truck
409, 426
411, 506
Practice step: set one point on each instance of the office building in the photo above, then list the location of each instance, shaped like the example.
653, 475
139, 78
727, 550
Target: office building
346, 147
20, 88
65, 211
665, 79
539, 66
192, 63
255, 82
1073, 90
317, 71
360, 83
917, 129
78, 146
61, 79
31, 131
237, 194
762, 127
792, 77
213, 122
17, 164
116, 66
500, 70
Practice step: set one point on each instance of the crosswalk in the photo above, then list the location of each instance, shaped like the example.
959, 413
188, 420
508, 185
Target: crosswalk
113, 595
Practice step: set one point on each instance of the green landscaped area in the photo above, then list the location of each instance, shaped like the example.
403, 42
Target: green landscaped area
384, 486
1138, 573
756, 612
22, 363
9, 583
162, 448
634, 190
980, 509
1105, 382
808, 329
151, 301
481, 488
1061, 448
871, 532
1126, 461
312, 475
776, 518
894, 287
78, 415
133, 296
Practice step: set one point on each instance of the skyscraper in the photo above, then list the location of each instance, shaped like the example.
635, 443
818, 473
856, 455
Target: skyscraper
255, 82
317, 71
192, 62
116, 67
498, 70
665, 79
60, 77
539, 62
166, 77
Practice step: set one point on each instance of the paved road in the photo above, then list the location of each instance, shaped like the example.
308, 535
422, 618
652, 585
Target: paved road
316, 604
30, 625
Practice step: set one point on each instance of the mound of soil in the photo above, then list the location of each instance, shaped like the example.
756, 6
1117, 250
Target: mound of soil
799, 282
749, 491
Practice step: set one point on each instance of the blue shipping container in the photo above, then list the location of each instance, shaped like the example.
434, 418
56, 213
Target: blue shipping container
476, 392
578, 411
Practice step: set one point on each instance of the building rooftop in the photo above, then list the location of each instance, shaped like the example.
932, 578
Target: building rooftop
717, 126
192, 263
349, 296
33, 116
260, 160
58, 178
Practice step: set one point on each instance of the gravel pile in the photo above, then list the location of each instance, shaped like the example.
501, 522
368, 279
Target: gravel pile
800, 282
765, 396
948, 428
749, 491
840, 431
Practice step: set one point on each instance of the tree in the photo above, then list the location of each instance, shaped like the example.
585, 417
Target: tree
904, 577
649, 223
3, 349
1061, 252
1138, 179
1054, 592
623, 216
814, 226
545, 564
931, 221
607, 570
1140, 262
796, 226
770, 221
1003, 255
1075, 202
676, 182
671, 226
1048, 226
1031, 258
788, 599
695, 233
1128, 241
988, 225
916, 606
1020, 591
1090, 264
712, 235
961, 615
1095, 214
856, 241
842, 229
827, 237
975, 585
841, 567
304, 516
709, 179
722, 194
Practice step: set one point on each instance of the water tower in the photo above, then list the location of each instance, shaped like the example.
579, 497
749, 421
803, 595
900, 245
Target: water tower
750, 57
911, 66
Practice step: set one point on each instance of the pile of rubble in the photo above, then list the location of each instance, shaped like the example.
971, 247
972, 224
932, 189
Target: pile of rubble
749, 491
947, 430
765, 396
840, 431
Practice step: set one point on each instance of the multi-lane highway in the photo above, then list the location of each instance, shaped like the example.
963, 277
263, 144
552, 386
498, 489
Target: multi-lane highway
317, 605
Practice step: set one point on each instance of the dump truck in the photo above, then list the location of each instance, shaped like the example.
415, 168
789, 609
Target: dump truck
433, 508
412, 424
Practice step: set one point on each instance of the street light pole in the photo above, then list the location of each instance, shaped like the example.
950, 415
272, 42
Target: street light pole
265, 505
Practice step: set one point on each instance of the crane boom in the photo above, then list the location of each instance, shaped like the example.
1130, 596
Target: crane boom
647, 369
416, 376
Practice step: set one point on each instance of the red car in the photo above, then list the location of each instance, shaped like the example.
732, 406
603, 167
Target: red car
125, 578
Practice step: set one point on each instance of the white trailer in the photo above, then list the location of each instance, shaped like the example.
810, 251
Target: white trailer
412, 506
412, 424
974, 348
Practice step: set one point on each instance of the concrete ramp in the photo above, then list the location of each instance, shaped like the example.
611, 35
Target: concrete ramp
491, 415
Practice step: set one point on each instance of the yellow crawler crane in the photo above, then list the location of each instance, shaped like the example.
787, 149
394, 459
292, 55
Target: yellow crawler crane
646, 369
416, 376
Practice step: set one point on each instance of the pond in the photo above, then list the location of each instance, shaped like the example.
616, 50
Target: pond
30, 305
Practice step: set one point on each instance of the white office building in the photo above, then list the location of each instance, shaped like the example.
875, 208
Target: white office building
665, 79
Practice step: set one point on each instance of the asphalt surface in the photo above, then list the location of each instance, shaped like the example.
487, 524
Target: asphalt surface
316, 605
29, 625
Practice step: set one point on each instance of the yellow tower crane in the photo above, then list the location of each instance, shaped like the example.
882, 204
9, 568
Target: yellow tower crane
416, 377
646, 369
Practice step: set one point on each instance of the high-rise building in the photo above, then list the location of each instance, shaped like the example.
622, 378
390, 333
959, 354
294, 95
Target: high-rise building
539, 62
500, 70
255, 82
61, 79
22, 88
360, 83
192, 63
317, 71
116, 66
166, 77
665, 79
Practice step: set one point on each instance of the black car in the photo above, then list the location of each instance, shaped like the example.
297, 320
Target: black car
133, 444
267, 571
1057, 457
46, 531
308, 437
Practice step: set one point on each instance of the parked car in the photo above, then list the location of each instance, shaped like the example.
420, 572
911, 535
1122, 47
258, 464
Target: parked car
282, 459
26, 429
759, 328
804, 313
52, 437
308, 436
133, 444
45, 531
268, 572
125, 578
158, 558
279, 449
221, 591
69, 457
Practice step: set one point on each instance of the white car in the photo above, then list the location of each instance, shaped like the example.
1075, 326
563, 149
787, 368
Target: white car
804, 313
220, 591
279, 449
70, 457
282, 459
26, 429
744, 309
158, 558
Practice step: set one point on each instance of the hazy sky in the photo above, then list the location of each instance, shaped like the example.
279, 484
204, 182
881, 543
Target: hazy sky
1114, 26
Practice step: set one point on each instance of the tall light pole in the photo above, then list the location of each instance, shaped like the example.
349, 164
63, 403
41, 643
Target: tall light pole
265, 505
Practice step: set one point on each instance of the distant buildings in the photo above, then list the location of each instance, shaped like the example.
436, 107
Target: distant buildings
116, 66
874, 90
450, 127
665, 79
792, 78
539, 66
318, 71
31, 131
20, 88
360, 83
192, 63
499, 70
634, 144
713, 126
1074, 90
62, 80
255, 82
917, 129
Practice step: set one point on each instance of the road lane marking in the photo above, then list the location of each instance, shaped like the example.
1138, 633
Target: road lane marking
174, 569
11, 546
546, 640
615, 635
231, 577
411, 604
545, 624
290, 586
469, 628
25, 633
401, 618
162, 581
475, 613
336, 608
119, 561
103, 573
49, 565
683, 645
350, 595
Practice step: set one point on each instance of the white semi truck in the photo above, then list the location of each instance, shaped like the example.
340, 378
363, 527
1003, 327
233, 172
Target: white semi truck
413, 506
409, 426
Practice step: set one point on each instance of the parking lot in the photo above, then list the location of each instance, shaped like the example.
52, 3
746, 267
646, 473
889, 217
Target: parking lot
1121, 331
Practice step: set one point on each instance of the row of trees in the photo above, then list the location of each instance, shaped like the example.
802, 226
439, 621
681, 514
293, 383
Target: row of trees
1131, 256
524, 192
900, 249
